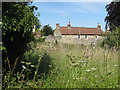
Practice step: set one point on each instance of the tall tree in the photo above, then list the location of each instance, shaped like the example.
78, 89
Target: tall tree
113, 15
18, 20
47, 30
113, 22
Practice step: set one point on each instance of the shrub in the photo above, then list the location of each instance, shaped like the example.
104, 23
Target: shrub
111, 39
42, 39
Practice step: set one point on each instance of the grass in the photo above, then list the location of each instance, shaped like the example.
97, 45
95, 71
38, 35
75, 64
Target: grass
72, 66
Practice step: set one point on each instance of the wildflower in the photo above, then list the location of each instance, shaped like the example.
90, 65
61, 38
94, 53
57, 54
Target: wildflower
78, 78
88, 70
118, 86
82, 77
74, 78
24, 67
93, 69
116, 65
95, 76
49, 65
93, 47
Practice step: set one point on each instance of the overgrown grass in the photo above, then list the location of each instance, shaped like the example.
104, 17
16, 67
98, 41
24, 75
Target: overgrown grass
72, 66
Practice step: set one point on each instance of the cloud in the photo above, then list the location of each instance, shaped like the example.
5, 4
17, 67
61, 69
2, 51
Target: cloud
79, 10
86, 7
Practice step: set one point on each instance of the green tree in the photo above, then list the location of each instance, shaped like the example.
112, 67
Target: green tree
18, 20
47, 30
113, 22
112, 38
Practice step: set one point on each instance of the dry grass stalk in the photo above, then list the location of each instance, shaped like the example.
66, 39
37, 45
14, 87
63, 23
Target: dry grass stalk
14, 66
8, 63
74, 64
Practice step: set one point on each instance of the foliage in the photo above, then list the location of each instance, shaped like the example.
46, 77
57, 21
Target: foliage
18, 19
112, 39
38, 30
47, 30
35, 64
42, 39
113, 22
113, 16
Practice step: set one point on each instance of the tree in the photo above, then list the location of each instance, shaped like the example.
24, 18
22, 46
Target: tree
113, 15
47, 30
17, 23
113, 20
112, 38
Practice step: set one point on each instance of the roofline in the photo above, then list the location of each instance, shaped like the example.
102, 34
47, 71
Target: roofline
82, 27
82, 34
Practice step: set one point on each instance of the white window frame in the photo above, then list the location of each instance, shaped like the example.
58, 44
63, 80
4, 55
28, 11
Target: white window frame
79, 37
85, 37
96, 37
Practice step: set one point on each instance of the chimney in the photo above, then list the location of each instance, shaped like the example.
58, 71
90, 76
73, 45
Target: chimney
69, 24
99, 26
57, 25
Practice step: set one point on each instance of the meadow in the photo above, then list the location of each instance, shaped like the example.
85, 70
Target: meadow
57, 65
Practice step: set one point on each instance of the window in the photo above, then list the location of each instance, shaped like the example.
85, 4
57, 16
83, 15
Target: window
96, 37
86, 37
79, 37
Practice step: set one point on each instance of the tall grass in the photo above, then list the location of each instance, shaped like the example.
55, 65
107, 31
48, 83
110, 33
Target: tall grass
71, 66
77, 67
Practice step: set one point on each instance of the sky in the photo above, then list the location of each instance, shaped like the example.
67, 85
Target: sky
81, 14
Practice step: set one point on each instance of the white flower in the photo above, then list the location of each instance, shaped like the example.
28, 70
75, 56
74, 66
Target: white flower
23, 67
93, 68
116, 65
49, 65
88, 70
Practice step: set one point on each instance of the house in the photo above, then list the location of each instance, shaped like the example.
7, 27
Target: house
78, 35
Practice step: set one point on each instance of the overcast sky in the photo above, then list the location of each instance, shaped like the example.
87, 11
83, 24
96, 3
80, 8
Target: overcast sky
81, 14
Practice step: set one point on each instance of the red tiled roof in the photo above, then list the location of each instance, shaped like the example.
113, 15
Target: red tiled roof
80, 30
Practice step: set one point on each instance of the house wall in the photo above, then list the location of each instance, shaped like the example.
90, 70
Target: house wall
73, 39
57, 33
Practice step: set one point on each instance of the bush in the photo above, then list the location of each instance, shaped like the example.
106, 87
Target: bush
42, 39
111, 39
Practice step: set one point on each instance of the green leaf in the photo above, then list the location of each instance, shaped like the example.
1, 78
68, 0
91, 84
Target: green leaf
11, 38
109, 73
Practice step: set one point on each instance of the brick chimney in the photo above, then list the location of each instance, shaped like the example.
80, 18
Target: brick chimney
69, 24
57, 25
99, 26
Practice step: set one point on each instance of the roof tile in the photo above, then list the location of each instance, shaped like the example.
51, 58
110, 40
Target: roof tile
80, 30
